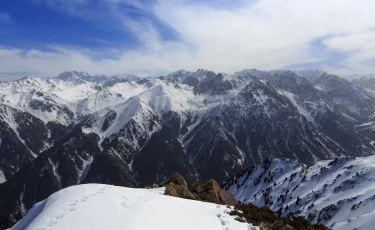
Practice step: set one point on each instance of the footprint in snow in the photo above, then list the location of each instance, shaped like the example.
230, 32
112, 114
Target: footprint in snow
223, 222
55, 218
124, 201
52, 222
124, 205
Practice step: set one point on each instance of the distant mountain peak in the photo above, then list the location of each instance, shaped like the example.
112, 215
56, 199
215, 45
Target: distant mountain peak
81, 75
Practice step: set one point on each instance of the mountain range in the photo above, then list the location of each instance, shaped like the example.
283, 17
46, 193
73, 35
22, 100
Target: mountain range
77, 128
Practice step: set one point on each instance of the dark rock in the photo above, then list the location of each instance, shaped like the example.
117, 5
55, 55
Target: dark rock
192, 81
268, 220
176, 179
210, 191
176, 186
178, 191
170, 190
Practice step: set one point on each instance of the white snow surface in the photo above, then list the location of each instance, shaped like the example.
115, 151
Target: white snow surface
96, 206
2, 177
340, 192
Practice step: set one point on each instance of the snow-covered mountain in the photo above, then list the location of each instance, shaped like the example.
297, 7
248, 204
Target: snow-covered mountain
96, 206
338, 193
367, 83
77, 128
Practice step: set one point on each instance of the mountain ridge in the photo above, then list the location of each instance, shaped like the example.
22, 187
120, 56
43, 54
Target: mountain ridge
200, 124
337, 193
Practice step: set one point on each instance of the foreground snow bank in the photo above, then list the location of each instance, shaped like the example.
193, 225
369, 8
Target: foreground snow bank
95, 206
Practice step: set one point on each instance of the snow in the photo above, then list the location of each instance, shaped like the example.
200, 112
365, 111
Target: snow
365, 222
160, 97
301, 109
367, 126
96, 206
55, 170
8, 116
77, 92
311, 75
2, 177
347, 184
142, 104
166, 97
349, 117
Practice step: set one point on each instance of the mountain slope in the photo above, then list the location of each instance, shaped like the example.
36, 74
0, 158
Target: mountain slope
96, 206
338, 193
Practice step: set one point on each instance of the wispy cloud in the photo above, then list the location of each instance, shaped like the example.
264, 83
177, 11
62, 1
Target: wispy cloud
222, 36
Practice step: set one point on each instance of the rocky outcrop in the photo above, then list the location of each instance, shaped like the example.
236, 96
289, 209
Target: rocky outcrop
178, 191
266, 219
176, 179
177, 186
210, 191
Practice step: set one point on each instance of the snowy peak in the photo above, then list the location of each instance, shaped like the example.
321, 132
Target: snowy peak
367, 83
311, 75
75, 75
253, 72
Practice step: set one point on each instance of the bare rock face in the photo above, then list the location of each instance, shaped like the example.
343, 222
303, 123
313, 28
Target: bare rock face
172, 189
210, 191
176, 179
177, 186
227, 197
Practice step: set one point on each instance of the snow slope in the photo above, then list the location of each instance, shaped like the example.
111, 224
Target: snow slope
96, 206
338, 193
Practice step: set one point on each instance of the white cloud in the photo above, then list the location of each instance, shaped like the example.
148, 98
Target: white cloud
265, 34
359, 50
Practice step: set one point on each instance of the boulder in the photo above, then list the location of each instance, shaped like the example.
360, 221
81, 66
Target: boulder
176, 179
172, 189
210, 191
154, 186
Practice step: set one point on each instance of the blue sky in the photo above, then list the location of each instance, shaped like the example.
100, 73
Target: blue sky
36, 24
119, 37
